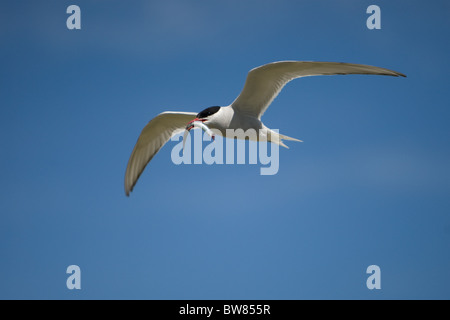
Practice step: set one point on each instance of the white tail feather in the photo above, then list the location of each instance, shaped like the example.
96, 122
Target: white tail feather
277, 138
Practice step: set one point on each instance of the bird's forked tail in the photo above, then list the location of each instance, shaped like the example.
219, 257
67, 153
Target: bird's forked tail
277, 138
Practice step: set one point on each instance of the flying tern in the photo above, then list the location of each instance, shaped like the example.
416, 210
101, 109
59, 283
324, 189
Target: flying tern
261, 87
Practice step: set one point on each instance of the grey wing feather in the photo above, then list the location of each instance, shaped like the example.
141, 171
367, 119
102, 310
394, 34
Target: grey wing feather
152, 138
264, 83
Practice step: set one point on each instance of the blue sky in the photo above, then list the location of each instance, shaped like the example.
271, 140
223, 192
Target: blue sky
369, 185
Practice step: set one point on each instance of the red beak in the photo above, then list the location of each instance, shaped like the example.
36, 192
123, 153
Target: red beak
189, 127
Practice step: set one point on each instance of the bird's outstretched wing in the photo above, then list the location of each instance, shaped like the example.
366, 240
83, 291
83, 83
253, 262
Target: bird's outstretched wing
264, 83
154, 135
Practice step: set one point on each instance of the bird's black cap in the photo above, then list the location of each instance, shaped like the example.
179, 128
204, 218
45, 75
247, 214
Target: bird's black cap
207, 112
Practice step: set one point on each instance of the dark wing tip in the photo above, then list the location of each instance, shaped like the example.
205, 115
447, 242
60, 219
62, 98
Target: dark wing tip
396, 74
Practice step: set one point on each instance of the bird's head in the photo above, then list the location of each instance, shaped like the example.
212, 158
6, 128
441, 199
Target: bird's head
203, 116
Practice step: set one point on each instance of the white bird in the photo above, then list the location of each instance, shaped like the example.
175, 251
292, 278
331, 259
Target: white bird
263, 84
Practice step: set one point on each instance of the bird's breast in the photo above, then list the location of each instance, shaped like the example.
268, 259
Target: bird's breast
229, 123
